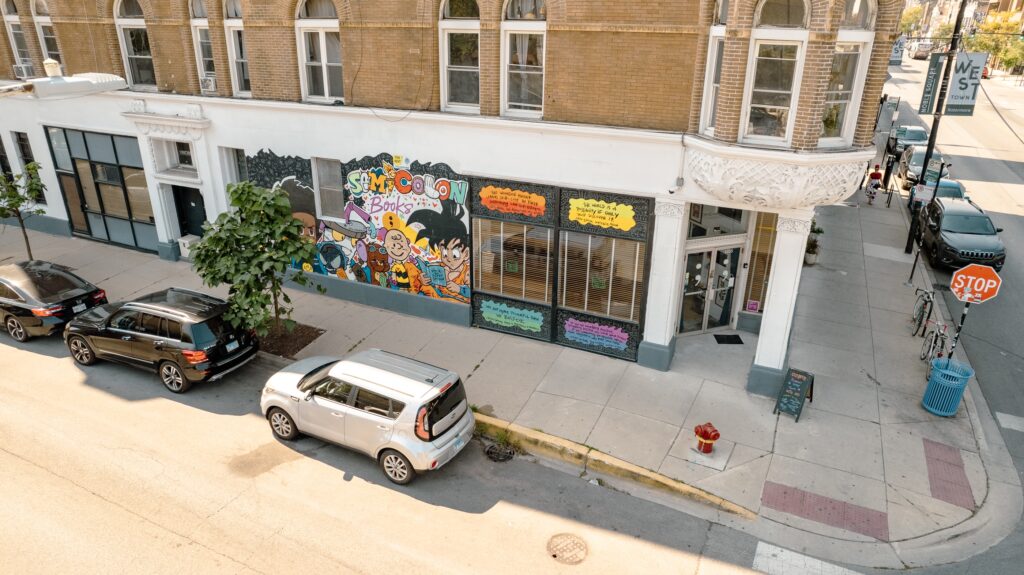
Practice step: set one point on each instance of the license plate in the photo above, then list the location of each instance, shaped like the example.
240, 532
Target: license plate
232, 345
78, 308
458, 444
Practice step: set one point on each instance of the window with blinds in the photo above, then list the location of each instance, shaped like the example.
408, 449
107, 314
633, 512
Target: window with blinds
762, 246
513, 259
601, 275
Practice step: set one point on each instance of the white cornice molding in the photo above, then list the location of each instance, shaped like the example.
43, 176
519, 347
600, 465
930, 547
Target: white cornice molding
191, 125
669, 209
772, 179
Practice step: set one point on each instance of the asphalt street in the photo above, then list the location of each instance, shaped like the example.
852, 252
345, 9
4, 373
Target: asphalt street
104, 471
987, 153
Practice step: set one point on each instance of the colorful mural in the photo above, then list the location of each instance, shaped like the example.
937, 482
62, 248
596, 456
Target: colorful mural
294, 174
406, 228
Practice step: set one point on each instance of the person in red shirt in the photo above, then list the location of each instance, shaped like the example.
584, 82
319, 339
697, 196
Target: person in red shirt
874, 184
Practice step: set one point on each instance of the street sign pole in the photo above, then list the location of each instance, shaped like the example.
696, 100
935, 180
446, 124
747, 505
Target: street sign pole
956, 336
940, 104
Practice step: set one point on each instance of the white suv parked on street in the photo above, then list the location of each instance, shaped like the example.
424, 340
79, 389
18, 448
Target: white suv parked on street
408, 415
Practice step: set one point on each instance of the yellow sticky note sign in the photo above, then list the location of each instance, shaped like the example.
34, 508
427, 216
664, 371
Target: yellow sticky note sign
589, 212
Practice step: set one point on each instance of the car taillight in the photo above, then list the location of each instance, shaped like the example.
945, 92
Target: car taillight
194, 357
47, 311
99, 295
422, 427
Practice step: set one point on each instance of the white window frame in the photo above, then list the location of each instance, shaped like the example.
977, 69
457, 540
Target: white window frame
316, 186
230, 27
44, 21
509, 27
864, 39
13, 20
321, 26
782, 36
445, 29
717, 35
197, 25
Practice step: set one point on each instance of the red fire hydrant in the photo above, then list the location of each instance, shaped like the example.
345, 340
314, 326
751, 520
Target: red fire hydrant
706, 437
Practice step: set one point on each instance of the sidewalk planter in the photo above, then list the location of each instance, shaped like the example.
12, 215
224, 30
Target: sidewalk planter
946, 386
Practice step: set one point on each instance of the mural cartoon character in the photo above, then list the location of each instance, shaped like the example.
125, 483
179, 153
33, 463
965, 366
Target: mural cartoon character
379, 264
405, 274
448, 240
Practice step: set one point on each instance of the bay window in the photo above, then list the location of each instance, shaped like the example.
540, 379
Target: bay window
846, 77
713, 80
773, 71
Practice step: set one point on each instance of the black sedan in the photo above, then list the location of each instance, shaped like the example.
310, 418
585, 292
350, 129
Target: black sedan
38, 298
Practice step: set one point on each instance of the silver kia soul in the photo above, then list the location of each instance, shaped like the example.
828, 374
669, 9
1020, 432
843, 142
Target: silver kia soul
408, 415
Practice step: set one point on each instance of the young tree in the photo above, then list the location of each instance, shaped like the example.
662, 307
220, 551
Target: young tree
1000, 38
19, 198
911, 20
252, 247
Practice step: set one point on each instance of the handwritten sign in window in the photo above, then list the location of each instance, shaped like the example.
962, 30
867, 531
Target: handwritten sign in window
608, 215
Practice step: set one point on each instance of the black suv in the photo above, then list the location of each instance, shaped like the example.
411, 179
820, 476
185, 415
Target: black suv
179, 333
956, 232
37, 298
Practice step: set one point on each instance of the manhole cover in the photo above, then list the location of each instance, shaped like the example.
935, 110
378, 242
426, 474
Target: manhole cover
567, 548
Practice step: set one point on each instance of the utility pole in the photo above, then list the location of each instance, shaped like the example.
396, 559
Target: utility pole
940, 104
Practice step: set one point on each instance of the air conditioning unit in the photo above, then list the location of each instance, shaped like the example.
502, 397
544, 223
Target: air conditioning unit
185, 244
208, 84
23, 71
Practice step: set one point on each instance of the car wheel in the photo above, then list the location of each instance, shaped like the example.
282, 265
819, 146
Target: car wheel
16, 330
933, 255
81, 351
282, 424
396, 467
172, 377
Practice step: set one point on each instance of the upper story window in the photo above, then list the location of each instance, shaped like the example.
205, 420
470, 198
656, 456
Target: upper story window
203, 44
238, 55
44, 29
460, 56
721, 12
859, 15
319, 42
522, 45
773, 71
846, 78
134, 40
22, 57
712, 80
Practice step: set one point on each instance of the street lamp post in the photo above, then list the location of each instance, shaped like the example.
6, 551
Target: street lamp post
940, 104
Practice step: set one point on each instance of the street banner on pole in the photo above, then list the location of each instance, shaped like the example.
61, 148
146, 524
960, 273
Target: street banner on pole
963, 91
896, 57
931, 83
924, 193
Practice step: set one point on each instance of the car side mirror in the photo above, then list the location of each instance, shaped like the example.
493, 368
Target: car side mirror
309, 395
999, 230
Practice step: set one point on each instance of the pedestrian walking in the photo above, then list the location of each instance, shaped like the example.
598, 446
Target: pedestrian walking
874, 184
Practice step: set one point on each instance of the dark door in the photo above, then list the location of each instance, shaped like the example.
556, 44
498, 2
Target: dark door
147, 344
119, 336
191, 210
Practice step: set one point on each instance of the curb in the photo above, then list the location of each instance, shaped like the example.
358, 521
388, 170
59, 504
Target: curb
271, 360
585, 457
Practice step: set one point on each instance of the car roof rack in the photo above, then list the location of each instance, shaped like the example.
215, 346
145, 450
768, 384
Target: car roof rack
159, 308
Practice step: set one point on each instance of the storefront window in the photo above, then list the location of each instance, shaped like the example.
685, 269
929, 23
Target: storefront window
715, 221
513, 259
601, 275
762, 246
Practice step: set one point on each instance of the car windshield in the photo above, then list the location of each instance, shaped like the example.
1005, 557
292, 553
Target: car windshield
916, 135
315, 376
917, 158
49, 284
979, 225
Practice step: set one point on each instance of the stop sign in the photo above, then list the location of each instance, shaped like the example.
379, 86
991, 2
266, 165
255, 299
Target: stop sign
975, 283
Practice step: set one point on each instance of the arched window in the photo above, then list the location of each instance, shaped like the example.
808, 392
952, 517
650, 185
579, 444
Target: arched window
134, 39
523, 34
233, 9
22, 57
316, 30
781, 14
44, 29
198, 9
203, 45
859, 15
460, 56
238, 55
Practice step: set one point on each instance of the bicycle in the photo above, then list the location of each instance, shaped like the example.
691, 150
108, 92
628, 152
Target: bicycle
936, 342
922, 310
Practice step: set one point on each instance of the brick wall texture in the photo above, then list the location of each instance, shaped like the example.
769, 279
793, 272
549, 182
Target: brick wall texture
608, 62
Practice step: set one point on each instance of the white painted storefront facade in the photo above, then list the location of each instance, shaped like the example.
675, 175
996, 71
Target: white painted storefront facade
671, 170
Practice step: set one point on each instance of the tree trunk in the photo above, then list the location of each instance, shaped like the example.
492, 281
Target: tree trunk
275, 288
24, 234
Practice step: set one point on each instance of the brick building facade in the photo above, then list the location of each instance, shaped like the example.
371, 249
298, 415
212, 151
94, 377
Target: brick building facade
660, 160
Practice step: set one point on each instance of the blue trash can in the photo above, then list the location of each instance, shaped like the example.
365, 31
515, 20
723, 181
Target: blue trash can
946, 386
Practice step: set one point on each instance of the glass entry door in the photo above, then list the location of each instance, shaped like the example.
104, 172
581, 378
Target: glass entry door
709, 286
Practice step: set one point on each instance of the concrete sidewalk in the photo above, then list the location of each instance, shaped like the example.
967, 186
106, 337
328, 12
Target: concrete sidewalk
867, 477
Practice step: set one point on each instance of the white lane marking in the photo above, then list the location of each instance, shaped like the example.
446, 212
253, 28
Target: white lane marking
1007, 421
778, 561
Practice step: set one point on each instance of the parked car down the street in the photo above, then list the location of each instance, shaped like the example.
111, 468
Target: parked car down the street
955, 232
913, 136
911, 163
920, 50
948, 188
38, 298
180, 334
408, 415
